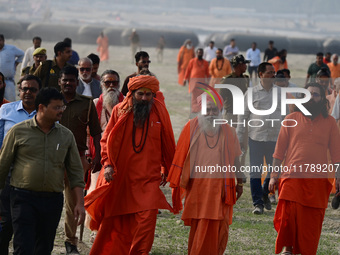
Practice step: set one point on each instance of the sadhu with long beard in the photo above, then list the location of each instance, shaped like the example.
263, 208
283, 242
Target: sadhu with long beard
137, 141
209, 196
305, 188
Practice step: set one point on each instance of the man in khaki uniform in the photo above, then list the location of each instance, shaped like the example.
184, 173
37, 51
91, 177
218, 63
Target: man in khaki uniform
48, 71
79, 115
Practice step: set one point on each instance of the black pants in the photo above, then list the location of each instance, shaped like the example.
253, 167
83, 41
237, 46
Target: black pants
35, 218
6, 231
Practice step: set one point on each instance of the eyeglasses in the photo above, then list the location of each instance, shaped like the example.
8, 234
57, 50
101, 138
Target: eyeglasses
30, 89
315, 94
145, 61
59, 108
87, 69
108, 83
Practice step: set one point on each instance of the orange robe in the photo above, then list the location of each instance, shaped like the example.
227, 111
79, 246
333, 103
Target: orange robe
124, 211
103, 47
331, 98
208, 201
303, 194
183, 58
197, 71
277, 64
219, 69
335, 71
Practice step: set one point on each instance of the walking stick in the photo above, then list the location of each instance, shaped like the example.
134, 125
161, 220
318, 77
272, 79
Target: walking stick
81, 233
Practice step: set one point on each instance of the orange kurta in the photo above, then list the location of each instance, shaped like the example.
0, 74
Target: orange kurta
208, 201
134, 195
219, 69
335, 71
197, 71
302, 190
103, 47
275, 61
183, 58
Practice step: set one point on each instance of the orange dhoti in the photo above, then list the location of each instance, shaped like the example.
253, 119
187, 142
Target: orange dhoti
292, 222
126, 234
183, 58
209, 236
209, 200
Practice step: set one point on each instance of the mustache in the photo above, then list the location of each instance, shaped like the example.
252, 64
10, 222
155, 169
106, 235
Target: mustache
141, 111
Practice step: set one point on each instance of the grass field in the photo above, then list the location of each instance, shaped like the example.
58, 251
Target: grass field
249, 234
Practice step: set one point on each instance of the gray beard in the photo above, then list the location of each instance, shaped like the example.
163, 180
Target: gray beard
141, 111
206, 123
110, 98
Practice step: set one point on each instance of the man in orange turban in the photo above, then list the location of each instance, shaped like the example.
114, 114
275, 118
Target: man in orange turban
199, 170
137, 142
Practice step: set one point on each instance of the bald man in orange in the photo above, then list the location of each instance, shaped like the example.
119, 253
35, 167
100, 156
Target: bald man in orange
185, 54
197, 71
334, 67
218, 68
137, 141
303, 190
209, 196
103, 46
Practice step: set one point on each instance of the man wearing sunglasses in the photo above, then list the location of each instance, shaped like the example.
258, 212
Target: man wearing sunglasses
11, 114
142, 62
87, 85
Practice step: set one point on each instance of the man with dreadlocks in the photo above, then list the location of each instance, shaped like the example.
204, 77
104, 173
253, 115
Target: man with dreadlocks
209, 195
137, 141
304, 189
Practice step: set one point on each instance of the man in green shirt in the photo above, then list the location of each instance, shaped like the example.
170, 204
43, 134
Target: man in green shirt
315, 67
240, 80
40, 150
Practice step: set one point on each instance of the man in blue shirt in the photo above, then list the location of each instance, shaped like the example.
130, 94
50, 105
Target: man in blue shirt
11, 114
10, 57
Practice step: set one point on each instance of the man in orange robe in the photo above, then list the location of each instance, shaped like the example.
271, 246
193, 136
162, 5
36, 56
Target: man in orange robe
304, 186
197, 71
137, 141
218, 68
103, 47
209, 196
334, 67
185, 54
279, 62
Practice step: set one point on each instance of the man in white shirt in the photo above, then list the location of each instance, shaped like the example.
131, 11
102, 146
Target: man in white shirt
210, 52
87, 85
254, 55
230, 50
28, 57
261, 137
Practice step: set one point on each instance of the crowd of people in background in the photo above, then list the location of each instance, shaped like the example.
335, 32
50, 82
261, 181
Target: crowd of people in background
74, 129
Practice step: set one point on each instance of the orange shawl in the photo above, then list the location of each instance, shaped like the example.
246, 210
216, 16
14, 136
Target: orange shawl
180, 169
95, 201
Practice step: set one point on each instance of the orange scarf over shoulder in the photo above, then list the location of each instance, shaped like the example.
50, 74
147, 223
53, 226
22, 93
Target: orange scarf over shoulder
180, 169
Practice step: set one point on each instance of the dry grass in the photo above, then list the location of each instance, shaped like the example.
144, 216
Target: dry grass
249, 234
